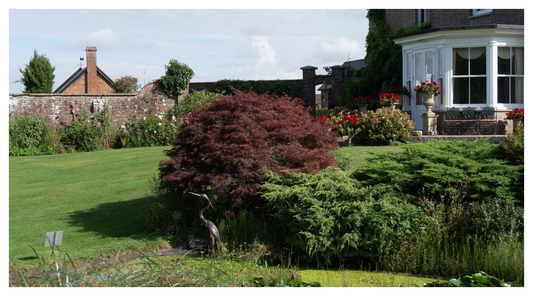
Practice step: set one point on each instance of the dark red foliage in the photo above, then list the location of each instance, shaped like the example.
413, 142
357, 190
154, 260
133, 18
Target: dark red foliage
227, 145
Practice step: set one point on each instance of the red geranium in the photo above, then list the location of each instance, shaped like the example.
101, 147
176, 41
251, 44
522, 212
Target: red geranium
428, 88
516, 114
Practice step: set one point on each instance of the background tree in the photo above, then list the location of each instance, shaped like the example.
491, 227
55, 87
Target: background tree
176, 79
383, 59
38, 76
126, 84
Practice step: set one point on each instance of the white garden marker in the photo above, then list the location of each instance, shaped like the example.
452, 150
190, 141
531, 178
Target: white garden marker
53, 239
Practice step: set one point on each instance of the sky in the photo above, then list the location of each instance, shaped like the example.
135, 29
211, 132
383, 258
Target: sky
215, 43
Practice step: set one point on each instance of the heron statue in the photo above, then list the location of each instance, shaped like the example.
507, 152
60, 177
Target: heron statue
211, 227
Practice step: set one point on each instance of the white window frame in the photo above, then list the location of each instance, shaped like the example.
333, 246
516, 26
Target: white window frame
448, 40
486, 76
408, 74
498, 75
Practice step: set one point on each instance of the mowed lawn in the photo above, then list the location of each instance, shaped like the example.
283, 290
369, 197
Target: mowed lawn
93, 197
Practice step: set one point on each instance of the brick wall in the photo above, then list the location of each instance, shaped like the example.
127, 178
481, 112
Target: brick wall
440, 18
401, 18
464, 17
55, 108
78, 87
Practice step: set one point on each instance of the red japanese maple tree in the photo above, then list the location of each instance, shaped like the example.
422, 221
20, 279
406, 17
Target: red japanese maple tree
227, 145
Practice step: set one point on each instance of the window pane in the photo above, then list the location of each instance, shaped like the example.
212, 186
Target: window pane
408, 88
460, 90
478, 63
429, 66
518, 61
517, 90
503, 90
478, 90
504, 61
460, 66
419, 69
408, 65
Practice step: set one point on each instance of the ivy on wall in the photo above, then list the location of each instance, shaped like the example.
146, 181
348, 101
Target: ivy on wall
383, 59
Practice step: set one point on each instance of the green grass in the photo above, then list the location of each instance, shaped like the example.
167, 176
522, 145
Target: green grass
359, 278
352, 157
94, 198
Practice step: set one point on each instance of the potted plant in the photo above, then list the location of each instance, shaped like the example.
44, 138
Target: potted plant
399, 90
349, 125
428, 90
360, 103
390, 100
517, 116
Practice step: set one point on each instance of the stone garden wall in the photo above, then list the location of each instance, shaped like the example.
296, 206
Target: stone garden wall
56, 108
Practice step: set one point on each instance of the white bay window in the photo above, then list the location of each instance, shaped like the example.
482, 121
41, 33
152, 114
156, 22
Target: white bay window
469, 75
475, 68
510, 75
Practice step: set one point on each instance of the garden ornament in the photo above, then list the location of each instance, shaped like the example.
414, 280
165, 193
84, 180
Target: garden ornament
211, 227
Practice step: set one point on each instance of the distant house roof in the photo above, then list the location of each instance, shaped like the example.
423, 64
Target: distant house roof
324, 87
79, 73
355, 64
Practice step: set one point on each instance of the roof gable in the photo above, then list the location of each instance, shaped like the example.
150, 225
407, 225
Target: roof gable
77, 75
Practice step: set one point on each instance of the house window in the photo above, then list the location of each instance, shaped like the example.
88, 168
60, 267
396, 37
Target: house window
469, 76
421, 16
510, 75
476, 12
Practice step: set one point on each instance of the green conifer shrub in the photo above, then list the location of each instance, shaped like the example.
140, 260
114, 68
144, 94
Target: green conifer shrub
333, 216
477, 168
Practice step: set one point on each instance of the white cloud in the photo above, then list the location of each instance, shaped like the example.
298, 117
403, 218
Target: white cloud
338, 47
267, 54
103, 37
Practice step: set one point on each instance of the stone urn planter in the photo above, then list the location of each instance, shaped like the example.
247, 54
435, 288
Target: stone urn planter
399, 104
362, 108
517, 122
428, 102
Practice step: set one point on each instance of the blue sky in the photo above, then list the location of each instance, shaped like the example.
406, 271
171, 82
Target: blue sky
217, 44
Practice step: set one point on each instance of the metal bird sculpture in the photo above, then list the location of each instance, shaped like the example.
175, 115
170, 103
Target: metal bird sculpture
211, 227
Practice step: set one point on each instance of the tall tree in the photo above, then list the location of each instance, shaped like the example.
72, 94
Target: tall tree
38, 76
126, 84
176, 79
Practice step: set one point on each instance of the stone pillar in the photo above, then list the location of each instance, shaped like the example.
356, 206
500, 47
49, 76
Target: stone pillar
429, 118
429, 122
92, 77
308, 88
337, 76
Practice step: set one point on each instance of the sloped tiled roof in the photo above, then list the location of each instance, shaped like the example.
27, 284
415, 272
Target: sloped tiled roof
77, 75
70, 80
355, 64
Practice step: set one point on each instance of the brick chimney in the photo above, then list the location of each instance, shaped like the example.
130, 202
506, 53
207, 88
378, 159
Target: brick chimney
92, 76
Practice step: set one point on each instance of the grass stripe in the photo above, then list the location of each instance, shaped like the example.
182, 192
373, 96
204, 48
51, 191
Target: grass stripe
94, 197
